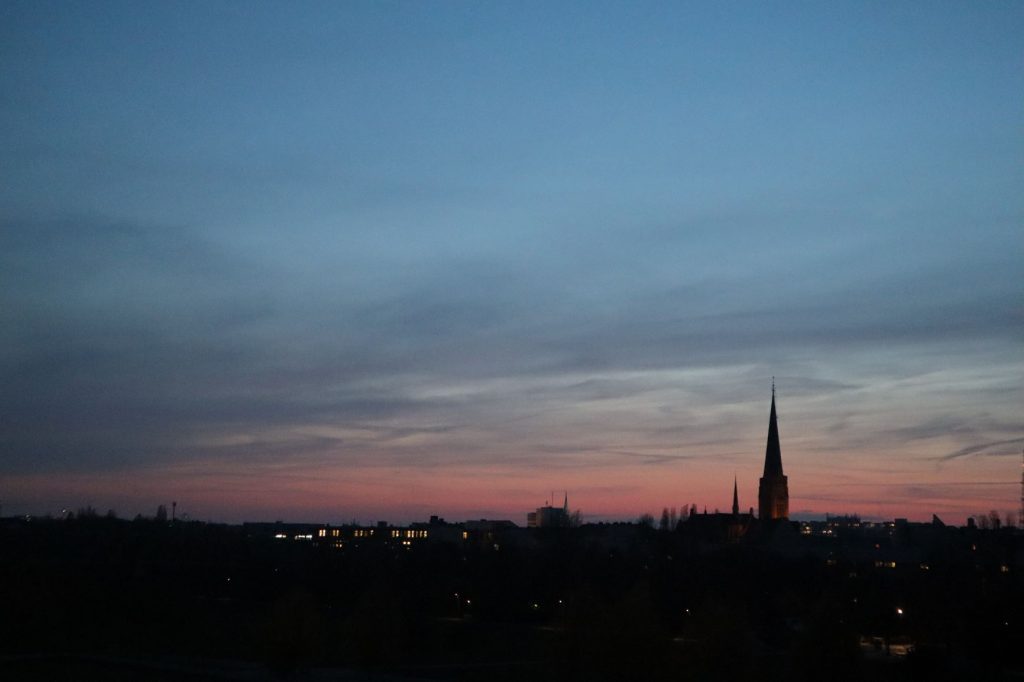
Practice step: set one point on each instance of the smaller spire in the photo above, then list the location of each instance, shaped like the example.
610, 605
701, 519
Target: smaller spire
735, 497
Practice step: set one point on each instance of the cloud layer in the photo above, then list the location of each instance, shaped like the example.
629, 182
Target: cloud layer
362, 277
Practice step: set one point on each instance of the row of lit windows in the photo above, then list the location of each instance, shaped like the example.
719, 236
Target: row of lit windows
368, 533
409, 533
336, 533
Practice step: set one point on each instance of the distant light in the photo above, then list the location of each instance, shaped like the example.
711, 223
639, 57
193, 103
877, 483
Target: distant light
899, 611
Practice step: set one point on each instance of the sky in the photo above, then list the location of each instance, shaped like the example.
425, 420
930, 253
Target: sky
379, 260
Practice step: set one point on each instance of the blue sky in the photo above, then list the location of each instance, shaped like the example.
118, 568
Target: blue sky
332, 259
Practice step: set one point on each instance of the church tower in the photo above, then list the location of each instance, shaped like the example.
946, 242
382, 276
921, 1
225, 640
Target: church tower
773, 491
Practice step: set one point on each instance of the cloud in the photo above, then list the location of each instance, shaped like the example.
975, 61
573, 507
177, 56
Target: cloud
983, 448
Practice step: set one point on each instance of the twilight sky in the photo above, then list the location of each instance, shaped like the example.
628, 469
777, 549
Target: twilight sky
380, 260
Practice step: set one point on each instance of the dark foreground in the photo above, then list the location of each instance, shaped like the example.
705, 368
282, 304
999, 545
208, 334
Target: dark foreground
106, 599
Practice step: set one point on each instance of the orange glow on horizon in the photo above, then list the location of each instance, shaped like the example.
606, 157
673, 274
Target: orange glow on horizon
332, 493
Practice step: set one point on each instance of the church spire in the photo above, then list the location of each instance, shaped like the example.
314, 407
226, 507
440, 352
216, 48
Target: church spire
773, 452
773, 489
735, 498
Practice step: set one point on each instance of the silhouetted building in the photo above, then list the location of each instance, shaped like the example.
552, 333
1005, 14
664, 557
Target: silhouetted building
719, 527
773, 490
549, 516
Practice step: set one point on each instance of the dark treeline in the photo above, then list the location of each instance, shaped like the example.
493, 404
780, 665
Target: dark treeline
565, 606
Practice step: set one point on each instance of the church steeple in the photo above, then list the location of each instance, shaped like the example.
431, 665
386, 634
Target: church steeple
773, 491
773, 452
735, 498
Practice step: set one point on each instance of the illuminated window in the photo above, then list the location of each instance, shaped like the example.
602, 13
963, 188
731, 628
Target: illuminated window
322, 533
396, 533
335, 533
465, 535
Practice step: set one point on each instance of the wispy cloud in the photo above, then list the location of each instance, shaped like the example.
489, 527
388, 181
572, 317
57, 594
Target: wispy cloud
992, 449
